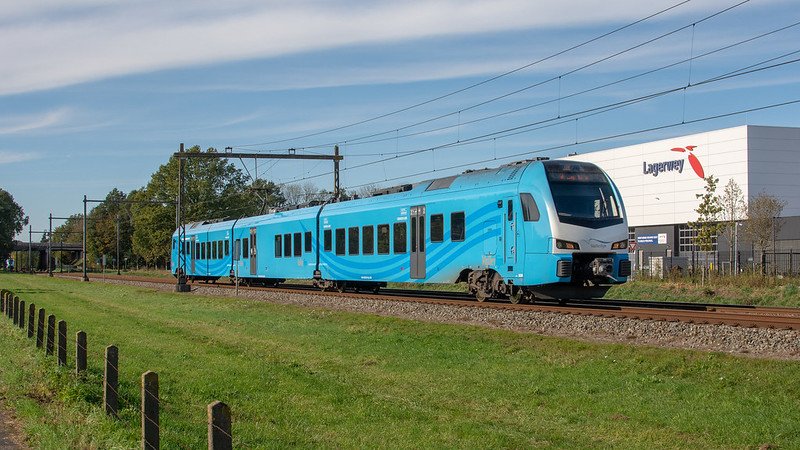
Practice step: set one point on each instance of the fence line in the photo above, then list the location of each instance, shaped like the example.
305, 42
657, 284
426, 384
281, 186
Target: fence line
220, 436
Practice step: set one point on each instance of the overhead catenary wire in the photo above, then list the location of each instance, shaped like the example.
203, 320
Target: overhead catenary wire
477, 84
603, 138
570, 117
572, 95
524, 88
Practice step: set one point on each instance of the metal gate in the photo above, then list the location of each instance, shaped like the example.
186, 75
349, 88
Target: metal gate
253, 259
192, 252
418, 241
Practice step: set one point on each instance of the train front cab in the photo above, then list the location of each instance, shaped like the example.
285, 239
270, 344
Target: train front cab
576, 233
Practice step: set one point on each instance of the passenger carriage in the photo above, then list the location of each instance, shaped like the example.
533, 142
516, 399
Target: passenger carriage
553, 229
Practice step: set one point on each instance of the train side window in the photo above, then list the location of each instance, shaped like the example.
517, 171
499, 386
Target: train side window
219, 249
308, 241
227, 247
368, 240
287, 245
510, 210
237, 249
213, 250
203, 251
530, 212
457, 226
340, 245
352, 248
245, 248
383, 239
278, 245
400, 238
327, 237
196, 250
298, 244
437, 228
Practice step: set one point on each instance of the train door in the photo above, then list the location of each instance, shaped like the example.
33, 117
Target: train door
193, 253
510, 233
418, 241
253, 260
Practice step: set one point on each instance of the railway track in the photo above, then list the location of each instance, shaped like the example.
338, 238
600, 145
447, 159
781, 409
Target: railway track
699, 313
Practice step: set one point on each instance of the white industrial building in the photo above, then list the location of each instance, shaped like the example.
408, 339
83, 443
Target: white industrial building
659, 181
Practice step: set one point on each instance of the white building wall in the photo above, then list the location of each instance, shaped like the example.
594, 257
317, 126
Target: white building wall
774, 165
759, 159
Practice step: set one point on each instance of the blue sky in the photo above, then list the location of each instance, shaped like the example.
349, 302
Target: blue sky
97, 94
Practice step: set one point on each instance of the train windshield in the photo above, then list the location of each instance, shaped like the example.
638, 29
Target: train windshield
582, 194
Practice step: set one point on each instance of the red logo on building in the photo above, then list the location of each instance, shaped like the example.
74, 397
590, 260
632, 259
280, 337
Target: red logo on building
695, 163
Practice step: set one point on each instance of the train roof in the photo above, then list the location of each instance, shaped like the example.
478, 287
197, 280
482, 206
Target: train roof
470, 179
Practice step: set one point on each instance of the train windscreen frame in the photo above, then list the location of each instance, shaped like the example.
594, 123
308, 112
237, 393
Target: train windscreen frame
582, 194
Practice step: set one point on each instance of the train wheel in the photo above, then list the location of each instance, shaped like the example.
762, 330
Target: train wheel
341, 286
517, 296
482, 295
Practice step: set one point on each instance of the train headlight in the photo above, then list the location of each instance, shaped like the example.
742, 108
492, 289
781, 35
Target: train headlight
619, 245
567, 245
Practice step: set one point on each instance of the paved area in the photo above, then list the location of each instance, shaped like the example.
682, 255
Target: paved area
9, 435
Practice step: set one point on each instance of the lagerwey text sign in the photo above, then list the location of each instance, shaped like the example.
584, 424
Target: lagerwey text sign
675, 165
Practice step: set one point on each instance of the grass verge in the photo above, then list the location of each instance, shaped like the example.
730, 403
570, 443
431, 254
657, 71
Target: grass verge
306, 377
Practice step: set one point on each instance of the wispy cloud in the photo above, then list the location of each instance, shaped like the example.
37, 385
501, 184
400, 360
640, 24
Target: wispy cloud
30, 122
70, 42
7, 157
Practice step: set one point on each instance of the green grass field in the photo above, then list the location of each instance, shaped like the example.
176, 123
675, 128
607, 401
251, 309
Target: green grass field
315, 378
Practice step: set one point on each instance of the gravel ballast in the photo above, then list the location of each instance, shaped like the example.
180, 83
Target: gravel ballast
753, 342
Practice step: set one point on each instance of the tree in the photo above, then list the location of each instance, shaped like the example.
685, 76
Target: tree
734, 209
763, 222
12, 219
708, 212
103, 219
213, 189
70, 231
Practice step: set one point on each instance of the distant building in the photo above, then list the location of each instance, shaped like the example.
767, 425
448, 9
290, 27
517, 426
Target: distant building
659, 181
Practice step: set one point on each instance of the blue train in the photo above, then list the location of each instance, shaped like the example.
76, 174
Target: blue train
530, 229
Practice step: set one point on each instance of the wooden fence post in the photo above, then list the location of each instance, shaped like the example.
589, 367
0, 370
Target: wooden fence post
51, 334
150, 423
62, 343
3, 301
21, 314
40, 329
31, 319
80, 353
15, 316
110, 381
219, 427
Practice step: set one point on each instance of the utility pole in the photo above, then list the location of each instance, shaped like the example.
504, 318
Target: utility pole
85, 278
337, 195
50, 248
118, 272
30, 252
181, 285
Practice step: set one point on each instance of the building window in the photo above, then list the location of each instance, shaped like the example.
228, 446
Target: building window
437, 228
383, 239
327, 237
457, 232
400, 238
687, 240
340, 244
368, 240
